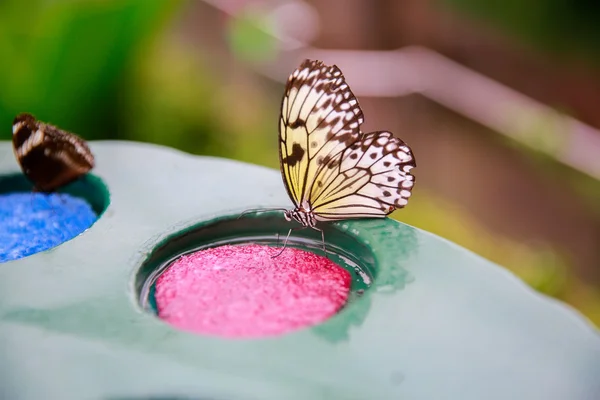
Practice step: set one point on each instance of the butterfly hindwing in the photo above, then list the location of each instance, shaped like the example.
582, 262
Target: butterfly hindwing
371, 178
48, 156
320, 118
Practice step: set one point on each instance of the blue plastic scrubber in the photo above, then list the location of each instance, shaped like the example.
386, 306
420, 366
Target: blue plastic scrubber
34, 222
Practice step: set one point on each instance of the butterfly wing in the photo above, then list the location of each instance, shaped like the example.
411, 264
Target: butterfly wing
371, 178
67, 157
320, 118
48, 156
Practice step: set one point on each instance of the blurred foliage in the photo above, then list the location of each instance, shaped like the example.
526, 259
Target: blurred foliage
63, 61
174, 98
248, 35
543, 268
106, 69
564, 27
541, 130
543, 137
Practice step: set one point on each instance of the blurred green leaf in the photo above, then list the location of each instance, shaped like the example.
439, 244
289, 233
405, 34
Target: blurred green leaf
248, 38
567, 27
63, 60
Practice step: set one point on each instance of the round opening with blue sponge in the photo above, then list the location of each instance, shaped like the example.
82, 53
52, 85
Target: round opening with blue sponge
31, 222
233, 277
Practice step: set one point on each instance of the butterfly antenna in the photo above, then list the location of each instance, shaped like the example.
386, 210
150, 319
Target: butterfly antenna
252, 210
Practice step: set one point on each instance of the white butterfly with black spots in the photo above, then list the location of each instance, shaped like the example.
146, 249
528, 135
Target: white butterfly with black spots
331, 169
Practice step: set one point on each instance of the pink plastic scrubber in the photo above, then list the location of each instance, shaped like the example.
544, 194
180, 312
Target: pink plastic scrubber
240, 291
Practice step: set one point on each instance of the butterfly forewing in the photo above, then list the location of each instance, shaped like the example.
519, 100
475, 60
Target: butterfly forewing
320, 118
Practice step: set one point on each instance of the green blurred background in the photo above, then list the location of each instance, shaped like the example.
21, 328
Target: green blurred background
135, 70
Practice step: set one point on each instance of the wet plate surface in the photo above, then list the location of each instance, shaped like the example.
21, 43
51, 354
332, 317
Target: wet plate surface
435, 321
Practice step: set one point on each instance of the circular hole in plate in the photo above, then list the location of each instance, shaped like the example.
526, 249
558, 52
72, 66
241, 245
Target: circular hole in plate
33, 222
261, 229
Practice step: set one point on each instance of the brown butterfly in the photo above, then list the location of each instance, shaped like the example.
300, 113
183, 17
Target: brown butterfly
48, 156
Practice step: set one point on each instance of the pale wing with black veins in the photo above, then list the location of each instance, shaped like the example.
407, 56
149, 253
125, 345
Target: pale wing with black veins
320, 118
372, 178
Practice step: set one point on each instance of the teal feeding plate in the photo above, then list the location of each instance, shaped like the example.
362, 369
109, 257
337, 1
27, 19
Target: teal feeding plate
426, 319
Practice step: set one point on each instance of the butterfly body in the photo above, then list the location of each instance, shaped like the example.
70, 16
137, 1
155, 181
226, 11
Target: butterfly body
331, 169
303, 215
49, 157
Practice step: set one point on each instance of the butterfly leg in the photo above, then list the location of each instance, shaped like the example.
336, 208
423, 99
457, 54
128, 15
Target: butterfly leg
322, 239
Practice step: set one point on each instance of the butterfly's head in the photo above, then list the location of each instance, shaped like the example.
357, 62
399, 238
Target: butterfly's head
287, 214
